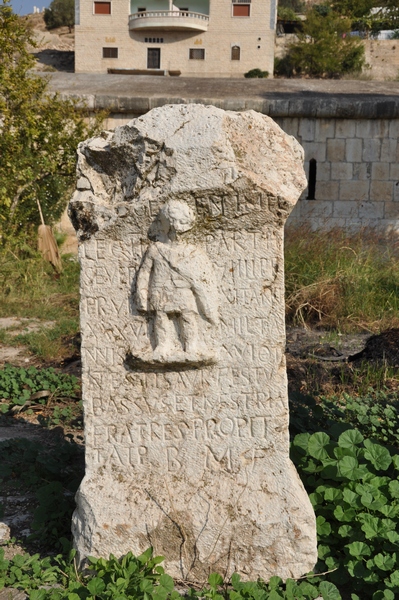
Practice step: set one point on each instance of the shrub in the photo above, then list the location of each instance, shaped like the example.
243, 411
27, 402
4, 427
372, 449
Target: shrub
253, 73
323, 48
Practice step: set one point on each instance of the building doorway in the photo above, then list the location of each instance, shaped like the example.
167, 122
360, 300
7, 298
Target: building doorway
153, 58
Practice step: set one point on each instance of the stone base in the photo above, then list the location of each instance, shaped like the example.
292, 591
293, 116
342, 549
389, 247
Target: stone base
255, 525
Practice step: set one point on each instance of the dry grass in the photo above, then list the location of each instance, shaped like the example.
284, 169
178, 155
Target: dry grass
342, 282
29, 287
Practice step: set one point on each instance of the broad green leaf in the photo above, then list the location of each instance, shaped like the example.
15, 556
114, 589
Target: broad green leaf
394, 578
146, 586
308, 590
333, 494
393, 537
370, 525
348, 467
345, 530
323, 527
315, 499
329, 591
379, 456
359, 549
167, 582
215, 579
323, 551
384, 595
96, 586
275, 581
301, 442
236, 581
341, 452
346, 516
389, 510
351, 498
317, 445
143, 558
350, 439
394, 488
385, 562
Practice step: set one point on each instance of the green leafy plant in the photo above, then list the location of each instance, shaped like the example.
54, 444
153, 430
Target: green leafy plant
375, 415
141, 578
19, 386
354, 487
253, 73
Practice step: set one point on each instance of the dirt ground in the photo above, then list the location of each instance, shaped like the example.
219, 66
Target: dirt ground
55, 50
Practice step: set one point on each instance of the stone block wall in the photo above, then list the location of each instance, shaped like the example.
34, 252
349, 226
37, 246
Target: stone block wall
357, 172
349, 128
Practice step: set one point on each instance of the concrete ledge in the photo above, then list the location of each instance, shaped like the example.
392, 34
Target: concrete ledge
322, 99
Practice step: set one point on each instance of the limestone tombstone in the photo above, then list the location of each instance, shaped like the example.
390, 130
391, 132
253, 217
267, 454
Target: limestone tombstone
180, 218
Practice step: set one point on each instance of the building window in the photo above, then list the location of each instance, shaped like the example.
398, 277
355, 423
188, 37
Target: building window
141, 10
235, 53
153, 58
110, 52
241, 10
312, 179
197, 53
102, 8
153, 40
184, 12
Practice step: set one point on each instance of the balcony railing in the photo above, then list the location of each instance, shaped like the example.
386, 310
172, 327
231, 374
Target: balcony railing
168, 19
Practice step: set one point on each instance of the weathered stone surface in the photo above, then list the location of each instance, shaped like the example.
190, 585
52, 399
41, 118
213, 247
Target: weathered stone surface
4, 533
182, 316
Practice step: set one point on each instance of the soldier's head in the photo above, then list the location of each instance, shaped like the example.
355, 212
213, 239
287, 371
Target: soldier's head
176, 217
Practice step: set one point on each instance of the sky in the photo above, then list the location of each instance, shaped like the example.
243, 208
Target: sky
24, 7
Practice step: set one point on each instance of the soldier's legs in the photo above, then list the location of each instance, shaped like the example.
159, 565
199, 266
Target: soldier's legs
189, 331
161, 330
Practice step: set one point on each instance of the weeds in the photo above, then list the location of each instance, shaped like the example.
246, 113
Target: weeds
339, 282
141, 578
33, 388
30, 288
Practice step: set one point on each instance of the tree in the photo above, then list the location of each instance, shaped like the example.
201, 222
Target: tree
60, 13
324, 48
370, 16
295, 5
39, 134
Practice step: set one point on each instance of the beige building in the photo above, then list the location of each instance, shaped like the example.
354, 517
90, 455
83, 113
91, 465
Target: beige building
194, 38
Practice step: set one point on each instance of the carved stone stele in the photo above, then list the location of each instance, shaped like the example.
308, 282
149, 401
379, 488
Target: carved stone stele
180, 217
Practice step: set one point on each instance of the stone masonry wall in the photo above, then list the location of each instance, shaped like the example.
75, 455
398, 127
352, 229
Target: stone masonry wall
349, 127
357, 172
